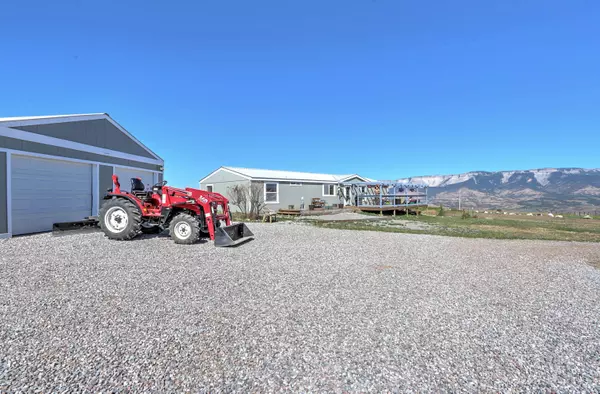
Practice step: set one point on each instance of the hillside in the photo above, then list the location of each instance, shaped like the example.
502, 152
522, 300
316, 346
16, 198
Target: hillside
556, 189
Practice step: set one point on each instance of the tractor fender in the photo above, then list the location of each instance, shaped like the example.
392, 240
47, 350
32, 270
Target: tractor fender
110, 196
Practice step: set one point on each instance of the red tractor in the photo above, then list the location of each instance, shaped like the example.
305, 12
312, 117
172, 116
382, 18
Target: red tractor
187, 213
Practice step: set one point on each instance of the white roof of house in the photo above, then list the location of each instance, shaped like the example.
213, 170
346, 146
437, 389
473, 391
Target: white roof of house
254, 173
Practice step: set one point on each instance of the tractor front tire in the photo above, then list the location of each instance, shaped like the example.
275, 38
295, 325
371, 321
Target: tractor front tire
120, 219
185, 229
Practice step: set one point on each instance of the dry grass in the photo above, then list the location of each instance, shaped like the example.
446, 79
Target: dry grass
486, 226
543, 233
595, 264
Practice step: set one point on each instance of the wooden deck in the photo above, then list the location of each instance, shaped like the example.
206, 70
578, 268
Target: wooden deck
289, 212
394, 209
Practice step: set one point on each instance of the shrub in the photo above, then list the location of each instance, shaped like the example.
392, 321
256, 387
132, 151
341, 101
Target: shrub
465, 215
441, 212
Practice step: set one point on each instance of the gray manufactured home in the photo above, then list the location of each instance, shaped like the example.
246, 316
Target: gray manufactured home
282, 189
57, 168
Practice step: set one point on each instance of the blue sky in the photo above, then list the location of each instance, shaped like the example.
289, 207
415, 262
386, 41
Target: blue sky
383, 88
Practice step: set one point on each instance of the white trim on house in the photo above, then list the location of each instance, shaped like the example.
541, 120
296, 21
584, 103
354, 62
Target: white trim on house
355, 176
9, 193
295, 184
95, 189
329, 195
265, 193
227, 170
211, 185
40, 120
5, 235
42, 139
44, 156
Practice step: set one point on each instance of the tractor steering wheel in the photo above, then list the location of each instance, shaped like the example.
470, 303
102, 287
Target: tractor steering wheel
160, 184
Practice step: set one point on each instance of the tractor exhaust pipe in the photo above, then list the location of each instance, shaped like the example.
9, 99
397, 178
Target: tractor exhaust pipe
232, 235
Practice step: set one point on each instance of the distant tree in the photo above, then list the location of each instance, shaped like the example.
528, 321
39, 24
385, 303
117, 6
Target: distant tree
256, 198
248, 199
238, 197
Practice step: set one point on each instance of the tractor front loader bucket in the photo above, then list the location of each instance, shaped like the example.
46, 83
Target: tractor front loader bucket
88, 225
232, 235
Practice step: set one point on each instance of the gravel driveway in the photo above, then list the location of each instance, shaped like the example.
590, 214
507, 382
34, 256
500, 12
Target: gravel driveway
299, 309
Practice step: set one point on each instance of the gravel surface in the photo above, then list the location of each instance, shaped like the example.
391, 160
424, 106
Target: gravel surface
300, 309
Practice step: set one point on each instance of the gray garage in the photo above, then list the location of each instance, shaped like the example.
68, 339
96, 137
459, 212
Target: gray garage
57, 168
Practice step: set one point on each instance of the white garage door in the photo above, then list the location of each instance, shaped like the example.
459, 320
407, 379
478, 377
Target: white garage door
125, 175
48, 191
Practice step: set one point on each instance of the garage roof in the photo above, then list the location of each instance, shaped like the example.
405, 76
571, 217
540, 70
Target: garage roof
18, 118
35, 120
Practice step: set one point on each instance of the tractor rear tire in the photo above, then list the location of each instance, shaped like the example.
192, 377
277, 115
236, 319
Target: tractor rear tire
185, 229
120, 219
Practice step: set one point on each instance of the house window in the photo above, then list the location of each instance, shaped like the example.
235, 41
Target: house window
328, 190
295, 184
209, 188
271, 193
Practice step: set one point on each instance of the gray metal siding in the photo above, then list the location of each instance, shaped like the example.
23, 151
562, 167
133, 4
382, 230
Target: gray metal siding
3, 207
292, 195
104, 181
221, 181
100, 133
34, 147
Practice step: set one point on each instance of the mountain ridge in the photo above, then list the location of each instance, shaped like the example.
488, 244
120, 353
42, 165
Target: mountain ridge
566, 189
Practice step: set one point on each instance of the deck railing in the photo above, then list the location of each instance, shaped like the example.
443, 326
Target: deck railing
387, 194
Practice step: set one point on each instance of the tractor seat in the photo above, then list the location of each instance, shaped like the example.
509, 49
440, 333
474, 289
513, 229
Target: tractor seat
139, 190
